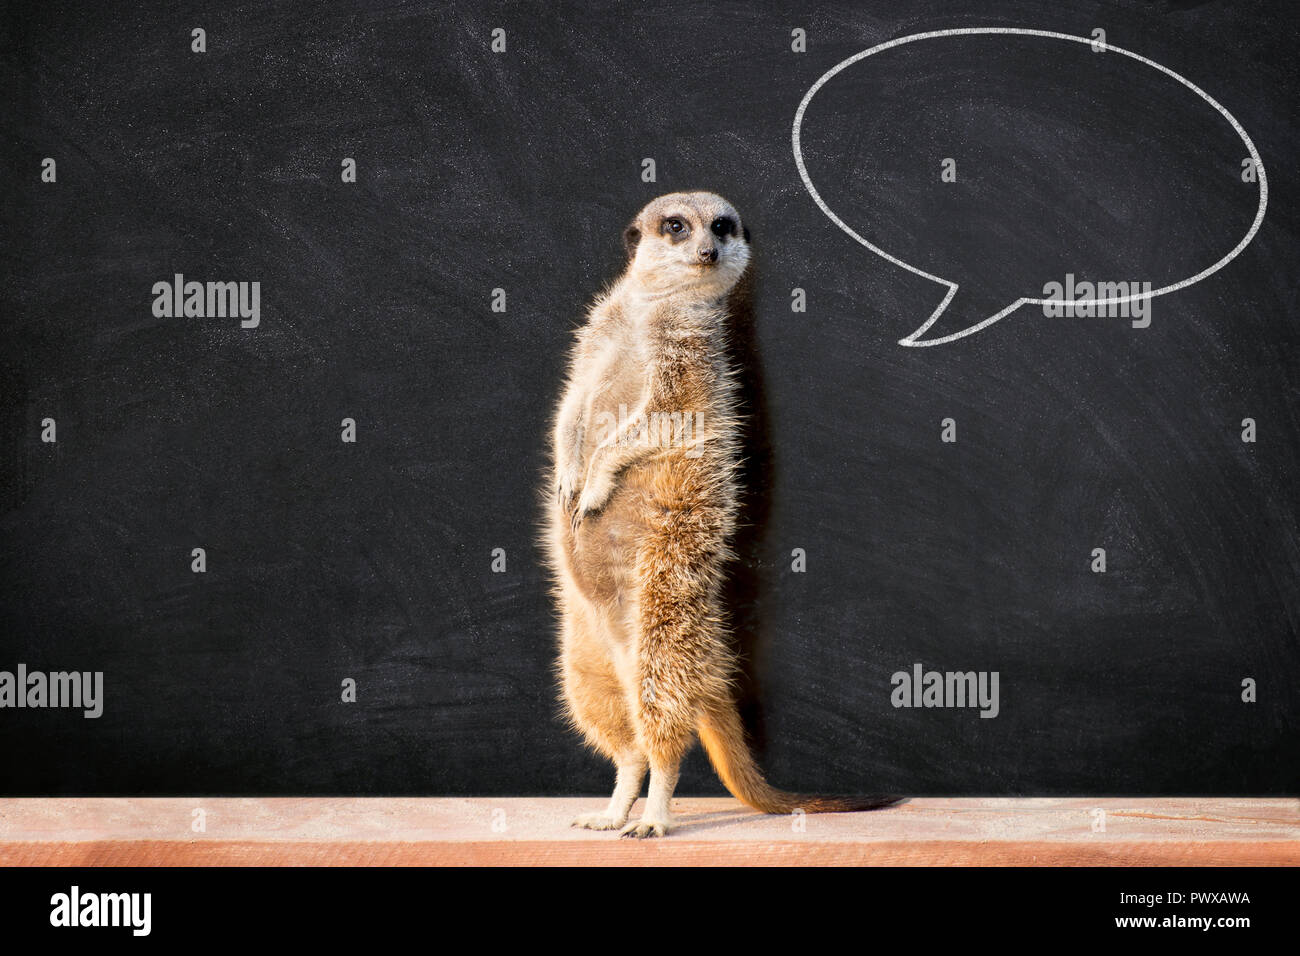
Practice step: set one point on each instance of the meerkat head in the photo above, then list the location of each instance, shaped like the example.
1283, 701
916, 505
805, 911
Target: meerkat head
688, 242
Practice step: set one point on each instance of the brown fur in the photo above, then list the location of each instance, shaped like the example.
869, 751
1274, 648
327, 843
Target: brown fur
638, 532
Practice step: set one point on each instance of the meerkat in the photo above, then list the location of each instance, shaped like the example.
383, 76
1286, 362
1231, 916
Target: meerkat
640, 516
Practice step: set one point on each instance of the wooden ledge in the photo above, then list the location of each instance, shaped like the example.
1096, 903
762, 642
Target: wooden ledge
710, 831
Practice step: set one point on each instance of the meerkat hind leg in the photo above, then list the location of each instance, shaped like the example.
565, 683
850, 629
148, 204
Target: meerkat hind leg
596, 701
627, 787
656, 821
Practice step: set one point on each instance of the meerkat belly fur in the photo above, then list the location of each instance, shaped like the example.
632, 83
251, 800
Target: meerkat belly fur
645, 500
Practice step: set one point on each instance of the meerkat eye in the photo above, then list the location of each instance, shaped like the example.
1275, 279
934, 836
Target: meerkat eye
674, 225
722, 226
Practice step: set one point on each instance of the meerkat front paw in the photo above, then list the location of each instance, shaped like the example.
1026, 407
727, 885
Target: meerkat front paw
566, 488
645, 828
598, 821
594, 497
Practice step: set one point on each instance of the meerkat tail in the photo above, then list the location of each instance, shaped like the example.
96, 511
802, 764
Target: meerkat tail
723, 737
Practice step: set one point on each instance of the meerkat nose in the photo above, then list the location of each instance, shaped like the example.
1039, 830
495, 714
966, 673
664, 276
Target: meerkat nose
709, 254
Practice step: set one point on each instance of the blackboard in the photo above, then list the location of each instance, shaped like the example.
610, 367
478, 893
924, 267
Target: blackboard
406, 561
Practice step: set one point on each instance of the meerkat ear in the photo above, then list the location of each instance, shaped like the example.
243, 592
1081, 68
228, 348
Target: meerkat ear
745, 231
631, 236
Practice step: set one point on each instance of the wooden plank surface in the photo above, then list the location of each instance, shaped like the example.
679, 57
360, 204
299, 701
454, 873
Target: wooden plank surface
710, 831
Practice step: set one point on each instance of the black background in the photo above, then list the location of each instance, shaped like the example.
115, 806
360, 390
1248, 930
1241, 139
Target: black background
476, 171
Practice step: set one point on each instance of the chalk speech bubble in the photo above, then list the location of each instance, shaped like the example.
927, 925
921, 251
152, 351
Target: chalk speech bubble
915, 339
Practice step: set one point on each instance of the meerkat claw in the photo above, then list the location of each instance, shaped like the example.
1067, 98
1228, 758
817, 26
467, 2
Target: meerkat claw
643, 828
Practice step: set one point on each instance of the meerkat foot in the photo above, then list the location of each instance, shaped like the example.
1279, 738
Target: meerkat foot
631, 771
640, 829
656, 820
598, 821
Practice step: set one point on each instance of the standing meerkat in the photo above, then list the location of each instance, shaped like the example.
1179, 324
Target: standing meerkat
644, 504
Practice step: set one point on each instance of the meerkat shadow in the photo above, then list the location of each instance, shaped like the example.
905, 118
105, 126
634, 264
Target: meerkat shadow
744, 584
